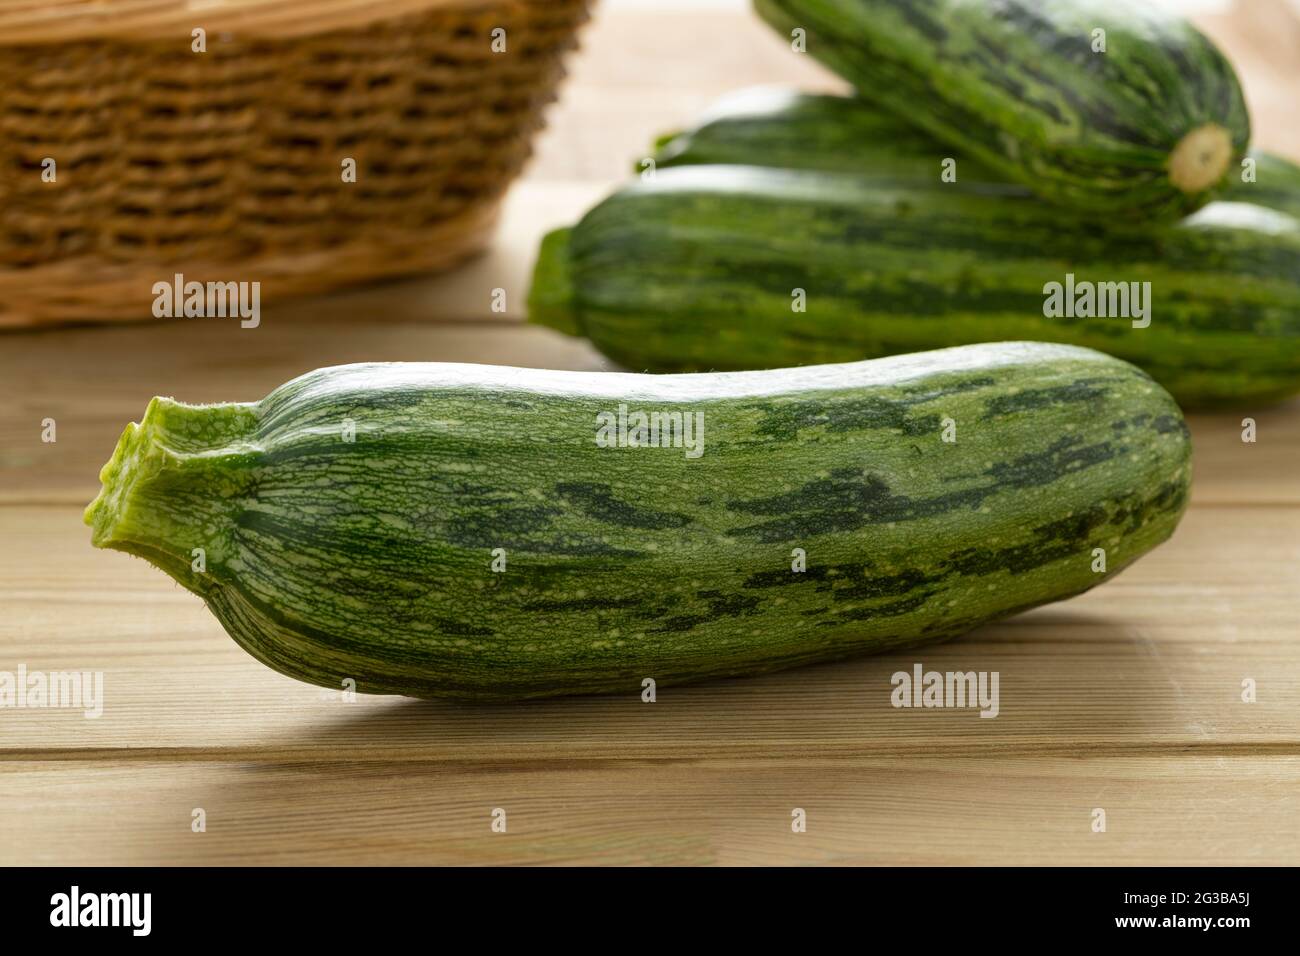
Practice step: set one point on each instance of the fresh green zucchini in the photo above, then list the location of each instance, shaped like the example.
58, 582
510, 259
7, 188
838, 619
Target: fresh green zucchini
771, 126
725, 267
463, 531
1152, 127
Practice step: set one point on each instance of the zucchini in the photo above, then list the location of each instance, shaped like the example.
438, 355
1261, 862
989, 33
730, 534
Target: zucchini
771, 126
701, 268
373, 558
1150, 128
1276, 184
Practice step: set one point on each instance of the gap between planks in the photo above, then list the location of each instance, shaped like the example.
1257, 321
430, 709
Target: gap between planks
751, 755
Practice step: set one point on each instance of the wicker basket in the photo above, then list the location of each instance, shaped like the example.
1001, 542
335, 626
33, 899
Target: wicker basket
228, 164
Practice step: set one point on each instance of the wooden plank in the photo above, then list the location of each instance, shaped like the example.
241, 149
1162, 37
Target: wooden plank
1228, 469
1154, 659
1159, 810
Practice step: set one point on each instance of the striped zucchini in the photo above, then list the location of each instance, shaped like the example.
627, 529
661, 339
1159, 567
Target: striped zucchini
461, 531
771, 126
1149, 128
703, 267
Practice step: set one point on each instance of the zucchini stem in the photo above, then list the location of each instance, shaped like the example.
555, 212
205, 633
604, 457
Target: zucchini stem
1201, 158
172, 484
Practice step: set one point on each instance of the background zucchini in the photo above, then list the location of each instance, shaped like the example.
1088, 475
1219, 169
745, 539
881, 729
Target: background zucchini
372, 558
771, 126
700, 268
1151, 127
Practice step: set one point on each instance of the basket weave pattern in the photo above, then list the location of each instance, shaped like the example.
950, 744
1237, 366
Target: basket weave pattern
227, 164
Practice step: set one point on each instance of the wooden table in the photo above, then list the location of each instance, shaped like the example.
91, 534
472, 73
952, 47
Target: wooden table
1127, 699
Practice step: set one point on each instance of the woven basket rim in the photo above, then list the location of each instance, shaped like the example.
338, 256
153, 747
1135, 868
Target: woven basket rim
61, 21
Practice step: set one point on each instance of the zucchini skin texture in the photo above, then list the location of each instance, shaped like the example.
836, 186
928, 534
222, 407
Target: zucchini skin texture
695, 269
774, 126
371, 559
1016, 85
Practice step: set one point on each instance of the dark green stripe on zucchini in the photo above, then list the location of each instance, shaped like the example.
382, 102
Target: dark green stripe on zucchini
701, 268
372, 559
1150, 128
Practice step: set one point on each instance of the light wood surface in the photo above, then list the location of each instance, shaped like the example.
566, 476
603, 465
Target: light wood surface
1126, 699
